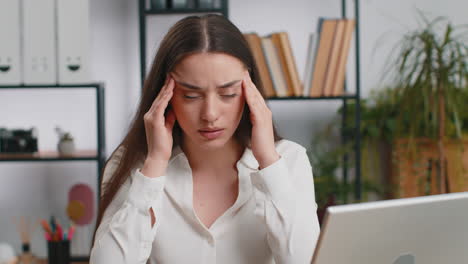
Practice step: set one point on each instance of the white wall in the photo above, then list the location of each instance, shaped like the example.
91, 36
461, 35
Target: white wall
26, 188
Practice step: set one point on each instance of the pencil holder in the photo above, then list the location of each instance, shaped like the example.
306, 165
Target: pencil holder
58, 252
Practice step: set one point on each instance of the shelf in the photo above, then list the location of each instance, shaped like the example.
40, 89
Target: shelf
58, 86
182, 11
341, 97
49, 156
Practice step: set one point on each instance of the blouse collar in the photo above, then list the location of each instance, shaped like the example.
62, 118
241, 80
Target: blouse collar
247, 158
179, 182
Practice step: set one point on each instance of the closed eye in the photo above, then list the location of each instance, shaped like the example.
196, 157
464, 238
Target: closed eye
229, 95
191, 97
224, 95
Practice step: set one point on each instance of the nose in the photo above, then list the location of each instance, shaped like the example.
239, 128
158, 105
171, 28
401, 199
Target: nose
210, 109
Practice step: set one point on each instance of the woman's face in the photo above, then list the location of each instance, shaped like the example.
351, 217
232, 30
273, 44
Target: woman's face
208, 100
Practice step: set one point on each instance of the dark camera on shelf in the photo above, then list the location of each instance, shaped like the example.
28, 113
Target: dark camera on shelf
18, 140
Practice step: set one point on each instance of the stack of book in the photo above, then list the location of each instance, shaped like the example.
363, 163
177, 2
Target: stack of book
326, 63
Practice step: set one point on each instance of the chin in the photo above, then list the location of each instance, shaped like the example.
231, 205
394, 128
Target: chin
212, 144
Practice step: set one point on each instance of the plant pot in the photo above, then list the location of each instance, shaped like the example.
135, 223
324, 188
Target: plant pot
66, 147
375, 168
415, 167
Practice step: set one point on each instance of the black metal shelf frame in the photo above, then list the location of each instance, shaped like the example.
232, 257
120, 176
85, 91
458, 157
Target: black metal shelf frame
143, 12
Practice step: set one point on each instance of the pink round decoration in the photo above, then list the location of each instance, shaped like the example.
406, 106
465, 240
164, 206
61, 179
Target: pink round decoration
84, 194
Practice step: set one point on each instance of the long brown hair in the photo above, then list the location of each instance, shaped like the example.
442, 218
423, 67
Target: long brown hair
190, 35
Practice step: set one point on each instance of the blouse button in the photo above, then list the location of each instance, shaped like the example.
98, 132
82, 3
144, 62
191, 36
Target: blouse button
261, 186
210, 240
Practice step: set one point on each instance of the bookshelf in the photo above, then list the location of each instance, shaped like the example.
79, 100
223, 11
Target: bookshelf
97, 154
144, 12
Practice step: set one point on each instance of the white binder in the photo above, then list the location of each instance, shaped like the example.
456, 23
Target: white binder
10, 60
73, 41
39, 48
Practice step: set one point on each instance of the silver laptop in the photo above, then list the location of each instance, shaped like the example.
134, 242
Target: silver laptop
422, 230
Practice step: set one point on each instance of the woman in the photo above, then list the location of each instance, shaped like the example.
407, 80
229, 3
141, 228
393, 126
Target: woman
202, 176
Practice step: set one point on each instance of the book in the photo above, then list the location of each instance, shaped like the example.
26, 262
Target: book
335, 50
255, 44
309, 69
327, 33
283, 47
274, 66
338, 83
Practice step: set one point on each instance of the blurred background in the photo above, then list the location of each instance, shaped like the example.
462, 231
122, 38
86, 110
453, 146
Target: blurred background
403, 140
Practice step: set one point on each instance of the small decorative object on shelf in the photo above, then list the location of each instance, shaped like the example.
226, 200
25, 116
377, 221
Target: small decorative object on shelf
66, 144
18, 140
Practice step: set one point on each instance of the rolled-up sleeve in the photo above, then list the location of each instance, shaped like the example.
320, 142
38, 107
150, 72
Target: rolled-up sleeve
125, 234
285, 203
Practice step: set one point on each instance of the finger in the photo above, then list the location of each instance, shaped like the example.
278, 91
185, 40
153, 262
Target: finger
254, 100
252, 87
255, 90
247, 92
164, 102
165, 86
163, 92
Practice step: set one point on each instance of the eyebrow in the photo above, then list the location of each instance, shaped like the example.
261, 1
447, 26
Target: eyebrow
194, 87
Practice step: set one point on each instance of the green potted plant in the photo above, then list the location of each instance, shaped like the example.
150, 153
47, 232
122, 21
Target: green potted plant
431, 75
423, 117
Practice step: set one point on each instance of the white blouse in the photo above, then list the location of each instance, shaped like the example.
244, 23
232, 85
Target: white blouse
273, 220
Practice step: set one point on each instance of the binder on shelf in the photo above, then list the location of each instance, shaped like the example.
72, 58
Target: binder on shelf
73, 41
309, 69
274, 65
335, 50
327, 33
338, 82
327, 58
39, 47
255, 44
285, 54
10, 59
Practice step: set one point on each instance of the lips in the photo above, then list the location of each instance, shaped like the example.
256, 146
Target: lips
211, 133
210, 129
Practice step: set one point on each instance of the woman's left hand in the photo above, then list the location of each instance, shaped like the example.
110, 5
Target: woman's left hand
262, 141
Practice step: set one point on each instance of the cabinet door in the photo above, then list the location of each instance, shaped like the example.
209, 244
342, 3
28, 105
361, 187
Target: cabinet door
10, 42
39, 47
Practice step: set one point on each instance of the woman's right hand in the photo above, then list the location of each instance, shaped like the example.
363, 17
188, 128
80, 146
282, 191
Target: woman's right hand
158, 128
